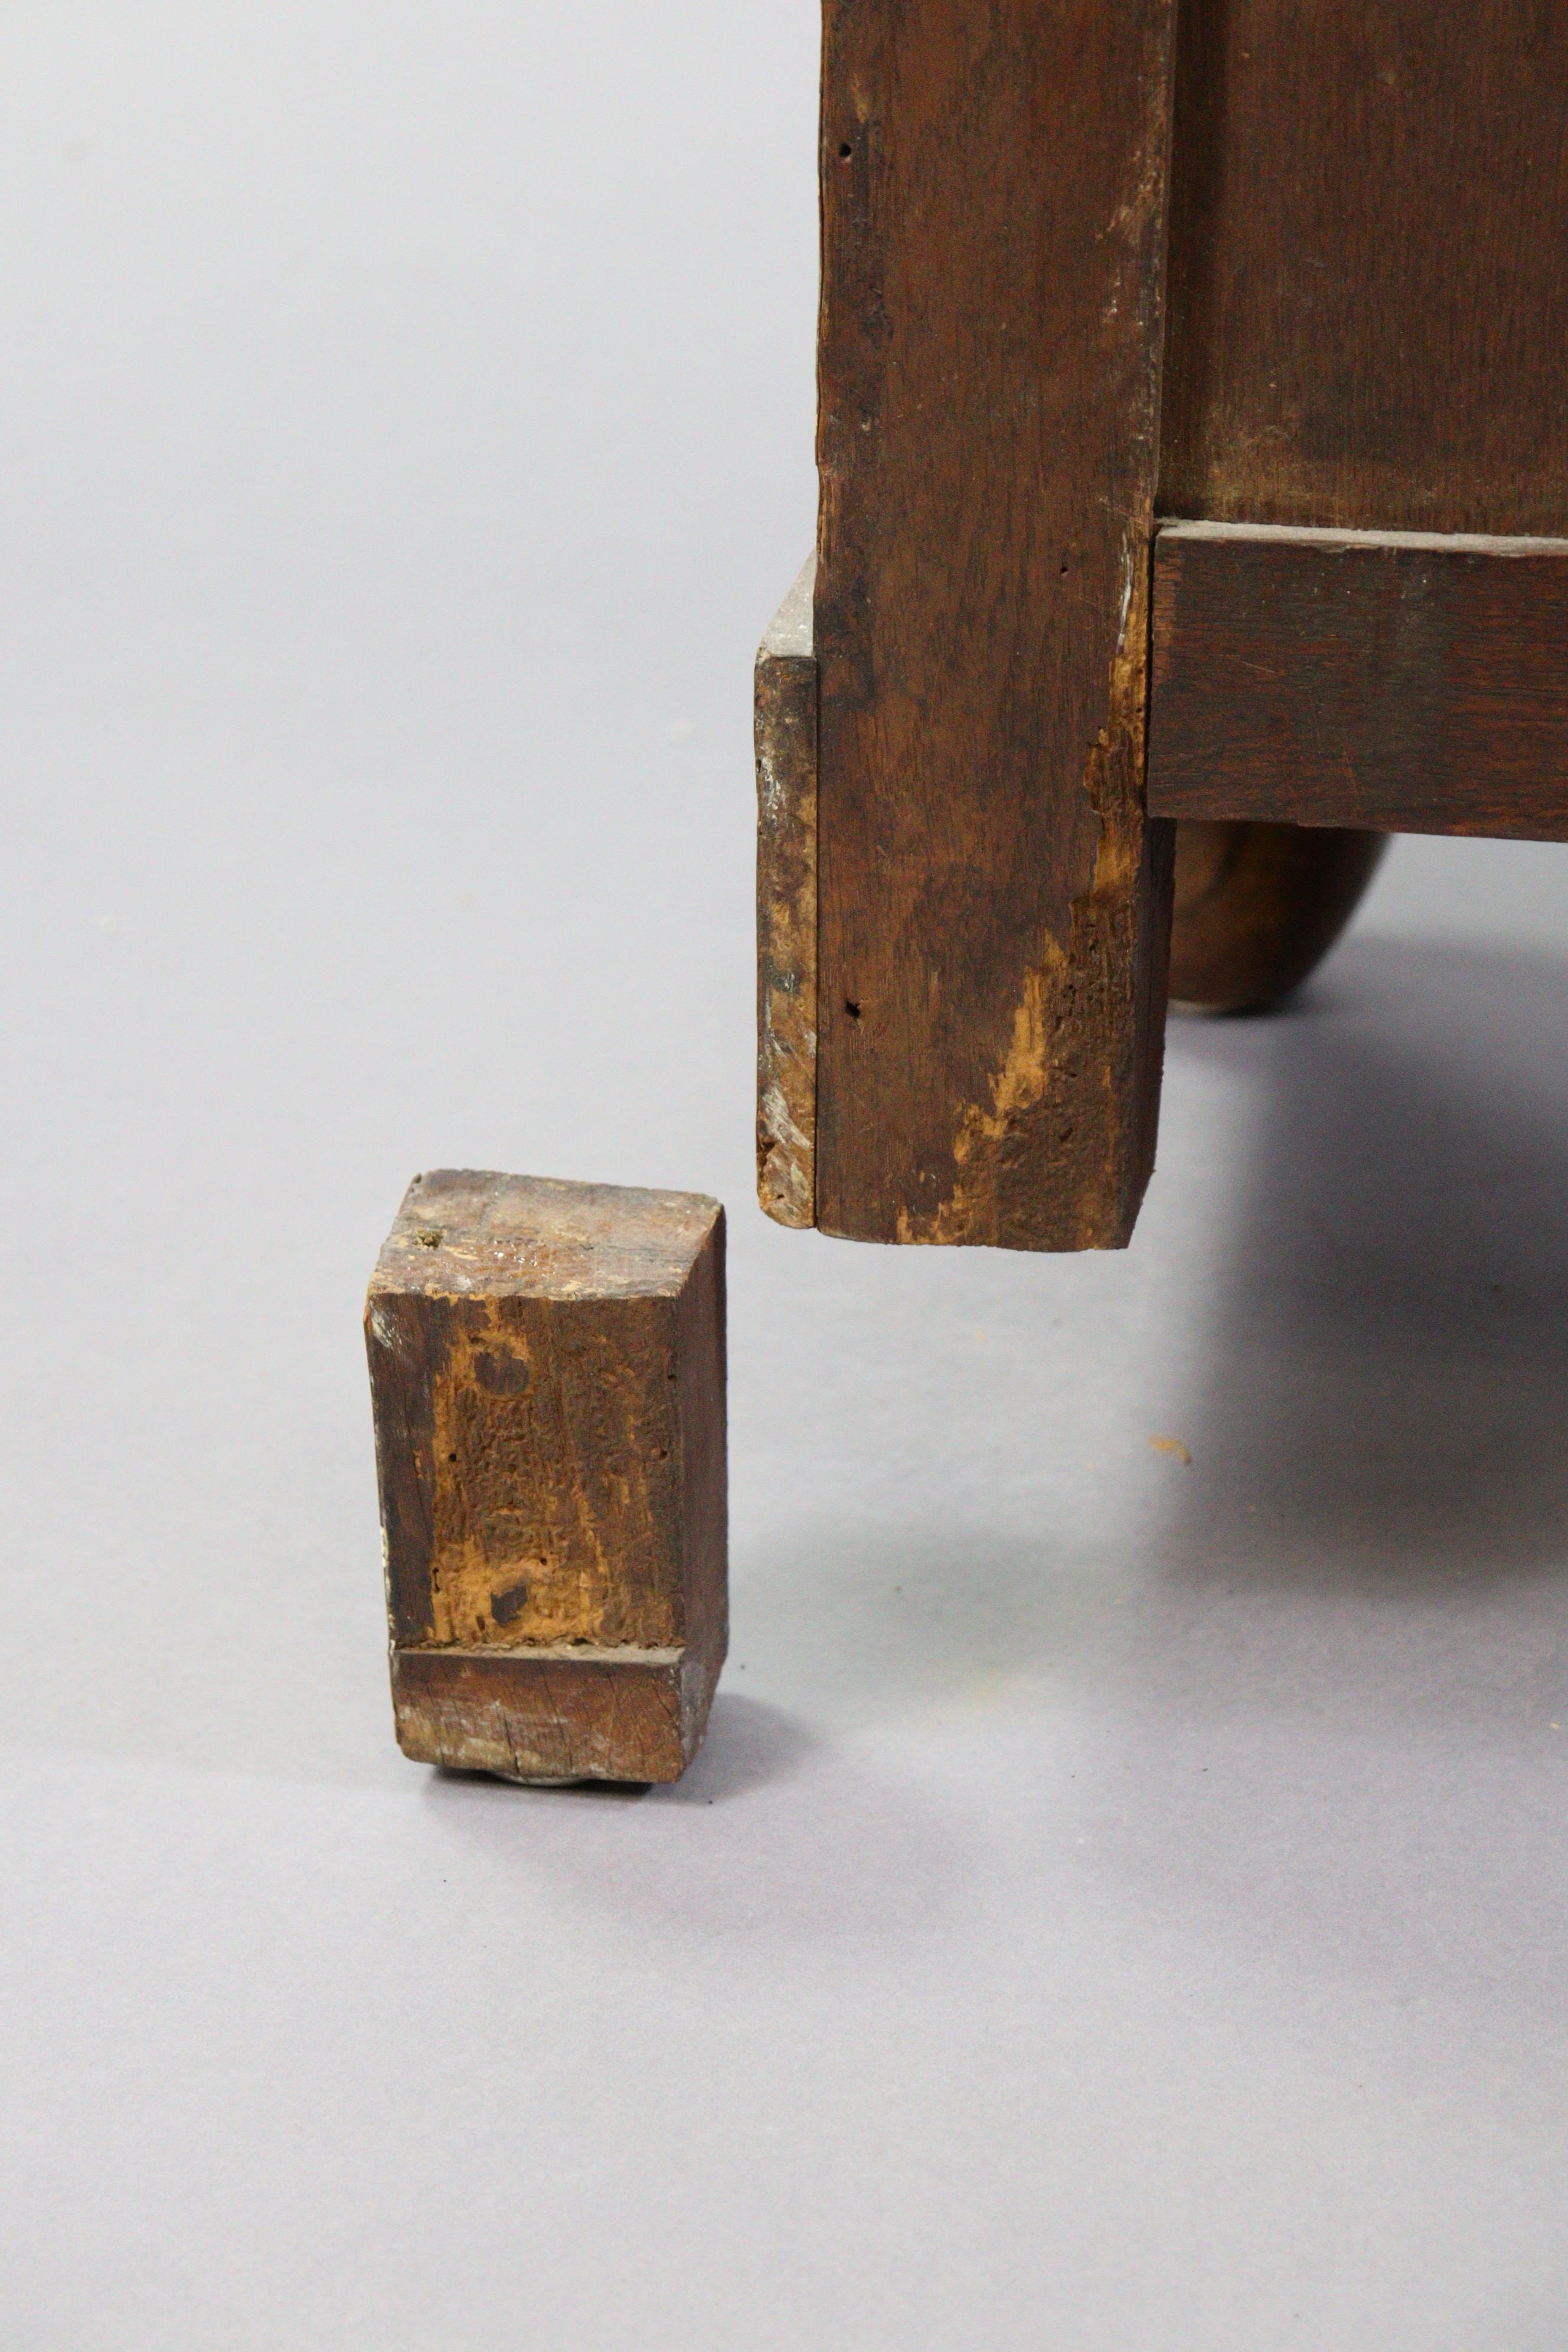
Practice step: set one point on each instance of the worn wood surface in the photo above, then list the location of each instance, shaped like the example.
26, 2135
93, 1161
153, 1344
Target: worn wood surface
786, 713
992, 932
547, 1368
1398, 683
1257, 906
549, 1714
1368, 302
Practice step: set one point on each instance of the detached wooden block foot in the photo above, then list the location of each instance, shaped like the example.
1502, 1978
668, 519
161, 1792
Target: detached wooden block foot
547, 1368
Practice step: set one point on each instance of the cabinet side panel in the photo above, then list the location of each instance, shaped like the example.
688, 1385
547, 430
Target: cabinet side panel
1368, 308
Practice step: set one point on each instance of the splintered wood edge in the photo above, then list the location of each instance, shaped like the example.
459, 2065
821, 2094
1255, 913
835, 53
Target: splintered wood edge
785, 708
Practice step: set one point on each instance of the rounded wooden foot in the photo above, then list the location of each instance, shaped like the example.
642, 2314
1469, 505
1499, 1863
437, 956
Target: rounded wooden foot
1258, 906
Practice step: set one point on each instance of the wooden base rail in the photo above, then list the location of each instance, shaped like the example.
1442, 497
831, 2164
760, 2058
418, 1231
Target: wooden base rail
1399, 680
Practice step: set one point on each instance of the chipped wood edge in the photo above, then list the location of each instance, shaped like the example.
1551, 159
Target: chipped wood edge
785, 715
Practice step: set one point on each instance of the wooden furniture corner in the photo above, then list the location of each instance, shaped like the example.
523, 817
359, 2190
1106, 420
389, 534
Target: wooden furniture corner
1193, 443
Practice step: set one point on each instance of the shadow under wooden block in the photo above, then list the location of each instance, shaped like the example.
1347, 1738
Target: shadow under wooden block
547, 1368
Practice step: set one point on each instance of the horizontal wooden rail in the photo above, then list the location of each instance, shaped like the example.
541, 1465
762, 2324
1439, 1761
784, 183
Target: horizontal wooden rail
1399, 680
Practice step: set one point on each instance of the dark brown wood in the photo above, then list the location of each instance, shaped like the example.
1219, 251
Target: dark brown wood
993, 909
1399, 683
1257, 906
547, 1368
1368, 304
785, 714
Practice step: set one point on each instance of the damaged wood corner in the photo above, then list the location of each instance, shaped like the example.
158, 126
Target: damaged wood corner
785, 717
1098, 976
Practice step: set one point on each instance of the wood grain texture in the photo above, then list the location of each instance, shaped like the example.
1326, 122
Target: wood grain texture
549, 1714
547, 1370
1403, 684
992, 915
1368, 308
1257, 906
786, 717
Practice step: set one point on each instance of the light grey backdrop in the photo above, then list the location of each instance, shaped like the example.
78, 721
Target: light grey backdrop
1122, 1904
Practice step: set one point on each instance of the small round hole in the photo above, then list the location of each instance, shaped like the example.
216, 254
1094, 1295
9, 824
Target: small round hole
845, 151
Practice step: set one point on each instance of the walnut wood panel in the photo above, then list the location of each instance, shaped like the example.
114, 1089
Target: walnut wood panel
993, 911
1400, 683
785, 703
547, 1368
1368, 308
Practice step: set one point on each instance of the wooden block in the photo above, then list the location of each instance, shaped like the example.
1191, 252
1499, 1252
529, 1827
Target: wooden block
786, 709
1398, 681
993, 910
547, 1368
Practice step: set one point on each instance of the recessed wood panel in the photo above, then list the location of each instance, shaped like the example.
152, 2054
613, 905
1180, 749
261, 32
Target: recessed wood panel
1368, 301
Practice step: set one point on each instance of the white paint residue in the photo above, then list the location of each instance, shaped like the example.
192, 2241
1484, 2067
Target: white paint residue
778, 1123
773, 791
383, 1330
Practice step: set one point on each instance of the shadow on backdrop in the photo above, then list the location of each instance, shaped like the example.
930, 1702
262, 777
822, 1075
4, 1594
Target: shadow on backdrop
1390, 1356
856, 1859
1383, 1366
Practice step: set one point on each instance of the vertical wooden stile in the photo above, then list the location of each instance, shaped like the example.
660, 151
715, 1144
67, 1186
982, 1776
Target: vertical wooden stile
993, 908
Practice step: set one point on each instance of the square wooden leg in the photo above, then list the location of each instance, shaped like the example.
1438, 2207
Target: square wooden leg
993, 908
